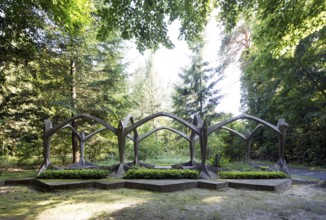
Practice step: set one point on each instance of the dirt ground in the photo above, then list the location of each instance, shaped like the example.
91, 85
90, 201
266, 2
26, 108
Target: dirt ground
297, 202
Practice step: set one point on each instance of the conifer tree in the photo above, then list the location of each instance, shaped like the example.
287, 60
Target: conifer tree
197, 92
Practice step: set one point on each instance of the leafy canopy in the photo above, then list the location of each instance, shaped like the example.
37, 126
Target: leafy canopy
279, 25
147, 21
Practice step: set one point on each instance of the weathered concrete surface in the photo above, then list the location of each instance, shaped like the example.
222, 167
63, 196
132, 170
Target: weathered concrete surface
264, 185
209, 184
157, 185
162, 185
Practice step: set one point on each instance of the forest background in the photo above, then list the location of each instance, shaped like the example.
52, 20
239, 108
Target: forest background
60, 58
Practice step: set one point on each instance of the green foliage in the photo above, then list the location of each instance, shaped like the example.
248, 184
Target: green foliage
278, 25
170, 158
147, 21
150, 149
149, 96
147, 91
239, 166
4, 165
25, 24
283, 66
224, 161
197, 92
74, 174
251, 175
227, 145
295, 91
161, 174
52, 66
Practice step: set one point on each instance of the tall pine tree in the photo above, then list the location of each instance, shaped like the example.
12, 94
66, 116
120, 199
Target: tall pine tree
197, 92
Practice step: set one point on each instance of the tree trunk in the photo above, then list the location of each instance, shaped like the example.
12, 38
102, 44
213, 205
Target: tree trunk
74, 140
75, 145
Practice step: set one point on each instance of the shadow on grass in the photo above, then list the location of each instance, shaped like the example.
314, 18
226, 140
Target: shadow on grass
224, 204
177, 205
24, 203
21, 202
300, 202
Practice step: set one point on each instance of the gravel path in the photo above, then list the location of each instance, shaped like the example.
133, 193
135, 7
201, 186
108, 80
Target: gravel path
319, 174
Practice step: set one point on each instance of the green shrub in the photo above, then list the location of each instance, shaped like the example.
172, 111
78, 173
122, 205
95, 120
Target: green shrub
73, 174
161, 174
251, 175
223, 161
239, 166
4, 165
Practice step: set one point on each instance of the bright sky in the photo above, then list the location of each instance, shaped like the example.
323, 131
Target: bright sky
168, 63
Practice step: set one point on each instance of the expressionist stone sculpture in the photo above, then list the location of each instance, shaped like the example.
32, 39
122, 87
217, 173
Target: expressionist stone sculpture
199, 131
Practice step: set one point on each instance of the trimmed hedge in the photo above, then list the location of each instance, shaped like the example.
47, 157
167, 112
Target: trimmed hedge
251, 175
161, 174
73, 174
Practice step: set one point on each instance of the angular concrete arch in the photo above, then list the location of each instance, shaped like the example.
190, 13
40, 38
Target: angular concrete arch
243, 116
49, 130
137, 139
199, 131
163, 114
247, 136
123, 130
52, 130
280, 129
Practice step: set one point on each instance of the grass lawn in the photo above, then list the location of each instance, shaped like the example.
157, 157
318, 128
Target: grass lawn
18, 174
298, 202
23, 202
